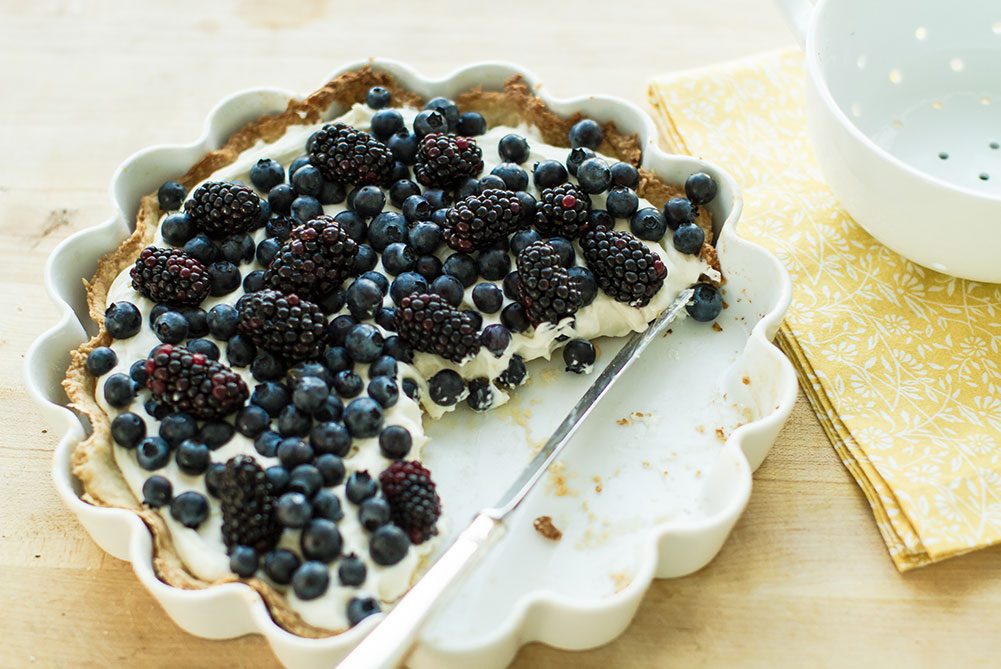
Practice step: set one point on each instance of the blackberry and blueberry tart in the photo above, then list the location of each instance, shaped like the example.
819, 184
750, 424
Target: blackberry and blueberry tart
289, 311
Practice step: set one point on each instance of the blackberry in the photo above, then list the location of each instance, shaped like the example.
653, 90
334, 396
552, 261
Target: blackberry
445, 160
413, 500
190, 383
171, 276
562, 211
428, 323
314, 261
544, 286
248, 506
625, 267
348, 155
480, 220
285, 325
220, 208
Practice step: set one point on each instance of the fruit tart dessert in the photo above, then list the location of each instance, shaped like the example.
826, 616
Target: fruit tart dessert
289, 311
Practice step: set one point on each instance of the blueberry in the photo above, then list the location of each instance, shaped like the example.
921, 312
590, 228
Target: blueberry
493, 181
267, 367
327, 505
403, 146
706, 303
386, 318
448, 287
624, 174
122, 320
192, 457
446, 108
398, 258
330, 408
137, 372
336, 358
177, 229
363, 417
388, 545
263, 216
154, 410
481, 395
331, 192
679, 211
280, 564
198, 322
577, 156
523, 238
293, 510
279, 228
428, 267
594, 175
332, 302
586, 282
353, 225
586, 133
386, 123
601, 218
513, 176
270, 396
400, 172
515, 373
364, 343
462, 267
438, 198
493, 264
243, 561
401, 190
119, 390
331, 469
177, 427
360, 486
297, 163
222, 320
294, 422
425, 238
278, 477
280, 198
153, 453
190, 509
528, 205
416, 208
128, 429
688, 238
405, 284
411, 389
367, 201
364, 298
170, 195
224, 278
306, 208
306, 479
157, 491
266, 443
564, 250
386, 228
513, 149
347, 383
465, 188
309, 393
621, 202
384, 366
293, 452
308, 368
377, 97
649, 224
700, 188
446, 387
510, 285
267, 174
351, 572
488, 298
337, 332
475, 318
471, 124
213, 478
395, 442
157, 311
440, 216
579, 355
383, 390
215, 433
373, 513
330, 438
171, 327
398, 349
549, 173
101, 360
321, 541
360, 608
496, 338
366, 259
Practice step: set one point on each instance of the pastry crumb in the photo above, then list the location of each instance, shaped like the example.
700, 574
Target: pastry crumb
746, 381
622, 421
717, 327
621, 580
720, 434
544, 526
597, 484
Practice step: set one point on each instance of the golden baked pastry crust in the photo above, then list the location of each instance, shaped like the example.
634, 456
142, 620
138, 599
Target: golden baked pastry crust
93, 459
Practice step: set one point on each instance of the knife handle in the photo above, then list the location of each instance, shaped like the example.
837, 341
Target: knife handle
389, 642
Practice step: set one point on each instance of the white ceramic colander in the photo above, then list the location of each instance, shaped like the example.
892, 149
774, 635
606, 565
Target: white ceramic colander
904, 109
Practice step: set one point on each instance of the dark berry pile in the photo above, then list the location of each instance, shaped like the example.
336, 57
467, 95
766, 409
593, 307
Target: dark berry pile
426, 255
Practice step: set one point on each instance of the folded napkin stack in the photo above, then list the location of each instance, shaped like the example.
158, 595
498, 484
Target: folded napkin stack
900, 363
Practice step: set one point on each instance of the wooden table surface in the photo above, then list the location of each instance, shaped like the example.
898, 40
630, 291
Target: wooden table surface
803, 580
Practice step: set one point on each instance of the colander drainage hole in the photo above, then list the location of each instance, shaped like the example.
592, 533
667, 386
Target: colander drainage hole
943, 156
984, 176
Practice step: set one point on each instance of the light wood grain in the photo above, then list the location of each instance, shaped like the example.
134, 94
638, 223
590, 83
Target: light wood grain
803, 580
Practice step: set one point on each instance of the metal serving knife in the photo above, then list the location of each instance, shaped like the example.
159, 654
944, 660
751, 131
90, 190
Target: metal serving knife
391, 639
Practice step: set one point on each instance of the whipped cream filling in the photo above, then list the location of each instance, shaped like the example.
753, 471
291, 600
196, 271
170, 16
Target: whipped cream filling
202, 549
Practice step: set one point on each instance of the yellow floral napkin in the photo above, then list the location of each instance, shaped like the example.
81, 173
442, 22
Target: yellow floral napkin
899, 362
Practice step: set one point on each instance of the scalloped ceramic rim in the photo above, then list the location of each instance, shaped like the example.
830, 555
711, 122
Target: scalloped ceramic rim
234, 609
